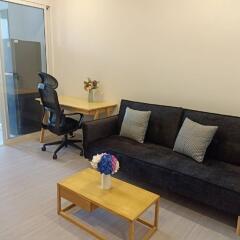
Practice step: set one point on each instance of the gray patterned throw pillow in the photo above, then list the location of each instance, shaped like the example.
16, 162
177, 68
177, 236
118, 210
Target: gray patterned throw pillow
193, 139
135, 124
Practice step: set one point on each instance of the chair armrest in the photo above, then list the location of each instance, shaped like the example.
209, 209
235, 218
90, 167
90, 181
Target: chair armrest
97, 129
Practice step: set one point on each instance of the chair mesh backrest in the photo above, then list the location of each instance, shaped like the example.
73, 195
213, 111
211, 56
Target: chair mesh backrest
50, 103
48, 80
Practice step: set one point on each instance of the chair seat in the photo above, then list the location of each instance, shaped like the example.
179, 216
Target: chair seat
69, 125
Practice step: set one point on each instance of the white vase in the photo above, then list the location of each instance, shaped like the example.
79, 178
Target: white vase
106, 181
91, 96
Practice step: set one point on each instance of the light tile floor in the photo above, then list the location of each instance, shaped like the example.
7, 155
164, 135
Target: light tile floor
28, 180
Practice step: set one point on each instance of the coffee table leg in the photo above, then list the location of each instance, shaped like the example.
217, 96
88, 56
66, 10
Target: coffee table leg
156, 218
131, 230
59, 207
152, 226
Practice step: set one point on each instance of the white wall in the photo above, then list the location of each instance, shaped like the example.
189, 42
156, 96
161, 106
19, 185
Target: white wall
174, 52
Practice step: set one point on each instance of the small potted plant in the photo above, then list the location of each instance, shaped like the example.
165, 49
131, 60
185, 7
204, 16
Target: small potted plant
89, 86
107, 165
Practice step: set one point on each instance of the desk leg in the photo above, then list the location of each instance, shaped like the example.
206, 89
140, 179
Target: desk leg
45, 119
109, 111
96, 116
42, 135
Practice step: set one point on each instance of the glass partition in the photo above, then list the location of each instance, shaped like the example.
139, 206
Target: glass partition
23, 55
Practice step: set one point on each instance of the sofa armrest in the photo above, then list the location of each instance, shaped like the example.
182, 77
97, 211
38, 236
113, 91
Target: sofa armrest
97, 129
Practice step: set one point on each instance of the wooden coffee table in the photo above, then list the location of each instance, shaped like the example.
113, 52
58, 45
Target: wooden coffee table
123, 199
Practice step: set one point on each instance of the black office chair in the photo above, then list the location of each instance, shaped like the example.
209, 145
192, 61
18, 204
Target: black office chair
58, 122
48, 80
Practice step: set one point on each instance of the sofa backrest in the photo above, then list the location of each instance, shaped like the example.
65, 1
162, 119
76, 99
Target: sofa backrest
226, 143
163, 124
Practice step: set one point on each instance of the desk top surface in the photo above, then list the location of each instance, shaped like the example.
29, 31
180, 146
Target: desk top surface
123, 198
81, 104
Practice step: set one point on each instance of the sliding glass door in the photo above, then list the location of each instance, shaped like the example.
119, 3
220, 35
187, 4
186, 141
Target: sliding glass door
23, 55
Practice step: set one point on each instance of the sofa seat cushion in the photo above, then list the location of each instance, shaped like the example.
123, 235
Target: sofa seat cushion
218, 173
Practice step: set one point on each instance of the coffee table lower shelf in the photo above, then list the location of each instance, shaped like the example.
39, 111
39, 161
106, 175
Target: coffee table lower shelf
87, 205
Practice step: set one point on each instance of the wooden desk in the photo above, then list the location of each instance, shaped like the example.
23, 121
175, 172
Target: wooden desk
123, 199
74, 104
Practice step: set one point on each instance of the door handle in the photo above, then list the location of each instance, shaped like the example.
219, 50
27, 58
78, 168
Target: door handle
10, 74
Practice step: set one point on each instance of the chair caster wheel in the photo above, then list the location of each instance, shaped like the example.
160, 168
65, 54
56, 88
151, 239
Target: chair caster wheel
55, 156
43, 148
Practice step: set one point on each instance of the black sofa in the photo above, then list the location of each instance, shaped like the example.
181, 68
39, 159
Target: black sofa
215, 182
